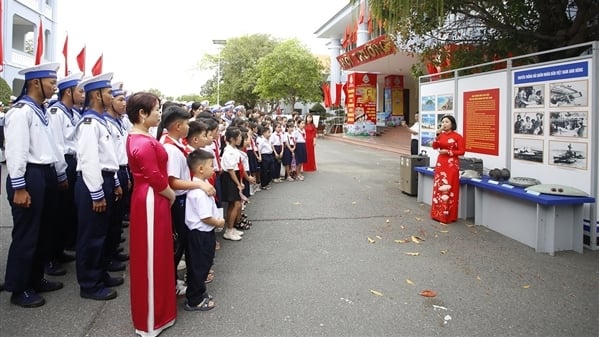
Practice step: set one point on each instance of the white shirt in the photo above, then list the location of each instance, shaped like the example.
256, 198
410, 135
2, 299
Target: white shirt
120, 139
264, 145
95, 152
299, 135
415, 128
245, 161
198, 206
212, 149
29, 139
277, 139
176, 165
230, 159
63, 121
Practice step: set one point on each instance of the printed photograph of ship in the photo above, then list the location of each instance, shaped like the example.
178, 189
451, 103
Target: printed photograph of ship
568, 94
528, 149
569, 124
529, 97
445, 102
569, 154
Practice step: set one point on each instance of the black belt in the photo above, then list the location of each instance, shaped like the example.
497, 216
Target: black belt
123, 167
68, 155
179, 197
39, 165
107, 173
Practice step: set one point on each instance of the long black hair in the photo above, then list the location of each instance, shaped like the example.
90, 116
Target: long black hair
171, 115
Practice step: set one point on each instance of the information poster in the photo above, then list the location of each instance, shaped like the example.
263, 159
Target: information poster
394, 87
481, 121
361, 92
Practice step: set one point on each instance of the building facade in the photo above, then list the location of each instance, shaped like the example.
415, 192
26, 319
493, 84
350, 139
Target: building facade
368, 74
21, 21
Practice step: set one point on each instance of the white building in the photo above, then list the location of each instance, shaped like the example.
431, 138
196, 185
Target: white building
20, 27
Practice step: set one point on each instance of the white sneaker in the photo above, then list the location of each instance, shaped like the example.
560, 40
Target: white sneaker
180, 288
238, 232
182, 265
231, 235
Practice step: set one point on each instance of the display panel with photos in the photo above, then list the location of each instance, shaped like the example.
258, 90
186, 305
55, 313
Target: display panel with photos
572, 124
574, 93
568, 154
528, 149
528, 123
531, 96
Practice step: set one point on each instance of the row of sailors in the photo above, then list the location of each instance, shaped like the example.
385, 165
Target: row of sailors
67, 175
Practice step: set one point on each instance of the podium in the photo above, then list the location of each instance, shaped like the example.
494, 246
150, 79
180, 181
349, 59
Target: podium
409, 177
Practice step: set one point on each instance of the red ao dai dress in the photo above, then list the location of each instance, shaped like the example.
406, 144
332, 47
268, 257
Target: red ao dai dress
446, 181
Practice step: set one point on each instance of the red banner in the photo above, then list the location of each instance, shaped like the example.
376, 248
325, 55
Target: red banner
371, 50
97, 68
65, 51
361, 100
481, 121
81, 60
40, 44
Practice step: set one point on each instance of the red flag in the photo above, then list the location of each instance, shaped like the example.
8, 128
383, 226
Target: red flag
370, 27
337, 94
81, 60
65, 50
344, 87
97, 68
1, 39
326, 92
40, 44
362, 10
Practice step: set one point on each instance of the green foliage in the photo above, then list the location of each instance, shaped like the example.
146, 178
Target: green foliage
190, 98
155, 91
486, 29
5, 92
291, 73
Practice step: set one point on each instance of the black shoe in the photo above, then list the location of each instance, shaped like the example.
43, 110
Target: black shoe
113, 281
46, 286
103, 294
54, 269
27, 299
120, 249
122, 239
116, 266
66, 258
121, 257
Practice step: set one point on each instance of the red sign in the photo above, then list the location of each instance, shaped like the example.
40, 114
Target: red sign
361, 97
481, 121
371, 50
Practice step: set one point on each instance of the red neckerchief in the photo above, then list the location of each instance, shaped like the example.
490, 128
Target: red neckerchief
303, 132
168, 140
291, 140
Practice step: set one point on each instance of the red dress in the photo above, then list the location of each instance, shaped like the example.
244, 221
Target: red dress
153, 298
446, 182
310, 164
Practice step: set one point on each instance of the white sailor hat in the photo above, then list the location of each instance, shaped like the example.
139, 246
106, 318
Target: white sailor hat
239, 108
70, 81
227, 107
204, 103
97, 82
231, 102
46, 70
215, 108
117, 89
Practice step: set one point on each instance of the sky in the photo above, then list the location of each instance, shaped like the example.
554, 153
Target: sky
158, 45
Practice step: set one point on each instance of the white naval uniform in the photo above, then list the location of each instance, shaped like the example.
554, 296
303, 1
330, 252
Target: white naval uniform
63, 121
30, 139
119, 135
95, 152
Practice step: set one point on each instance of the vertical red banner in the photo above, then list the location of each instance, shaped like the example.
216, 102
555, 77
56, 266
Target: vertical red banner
362, 97
481, 121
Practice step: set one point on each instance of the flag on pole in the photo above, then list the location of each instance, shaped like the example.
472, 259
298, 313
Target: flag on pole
81, 60
362, 11
97, 68
39, 51
1, 39
65, 50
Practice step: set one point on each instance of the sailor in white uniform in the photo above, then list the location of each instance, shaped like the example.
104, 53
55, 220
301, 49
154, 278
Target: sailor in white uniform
36, 169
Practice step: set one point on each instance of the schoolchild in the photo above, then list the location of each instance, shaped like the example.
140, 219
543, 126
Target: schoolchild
213, 133
300, 148
278, 143
197, 136
242, 222
96, 190
113, 115
176, 122
232, 186
36, 169
289, 150
253, 154
201, 218
266, 159
63, 119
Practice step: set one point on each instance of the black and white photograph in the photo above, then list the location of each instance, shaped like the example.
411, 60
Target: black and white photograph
528, 123
569, 124
528, 149
529, 97
569, 154
568, 94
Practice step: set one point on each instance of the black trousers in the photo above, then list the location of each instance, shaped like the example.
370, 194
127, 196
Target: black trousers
267, 168
116, 219
414, 147
65, 235
91, 234
31, 228
180, 229
200, 256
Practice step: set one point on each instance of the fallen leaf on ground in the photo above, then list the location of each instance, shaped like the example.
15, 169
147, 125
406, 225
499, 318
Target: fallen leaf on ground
378, 237
408, 281
401, 241
402, 227
427, 293
370, 240
526, 286
378, 293
419, 238
387, 221
353, 202
443, 252
444, 231
418, 219
470, 225
297, 203
406, 211
478, 277
414, 239
413, 254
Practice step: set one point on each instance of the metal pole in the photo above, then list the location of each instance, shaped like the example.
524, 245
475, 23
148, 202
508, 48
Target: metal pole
218, 82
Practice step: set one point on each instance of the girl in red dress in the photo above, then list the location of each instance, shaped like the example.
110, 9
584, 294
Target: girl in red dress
446, 181
310, 164
153, 301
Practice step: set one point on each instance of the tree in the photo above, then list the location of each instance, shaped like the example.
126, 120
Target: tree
290, 73
456, 33
5, 92
155, 91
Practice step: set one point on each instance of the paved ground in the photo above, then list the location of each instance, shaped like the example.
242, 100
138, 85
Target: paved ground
322, 260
